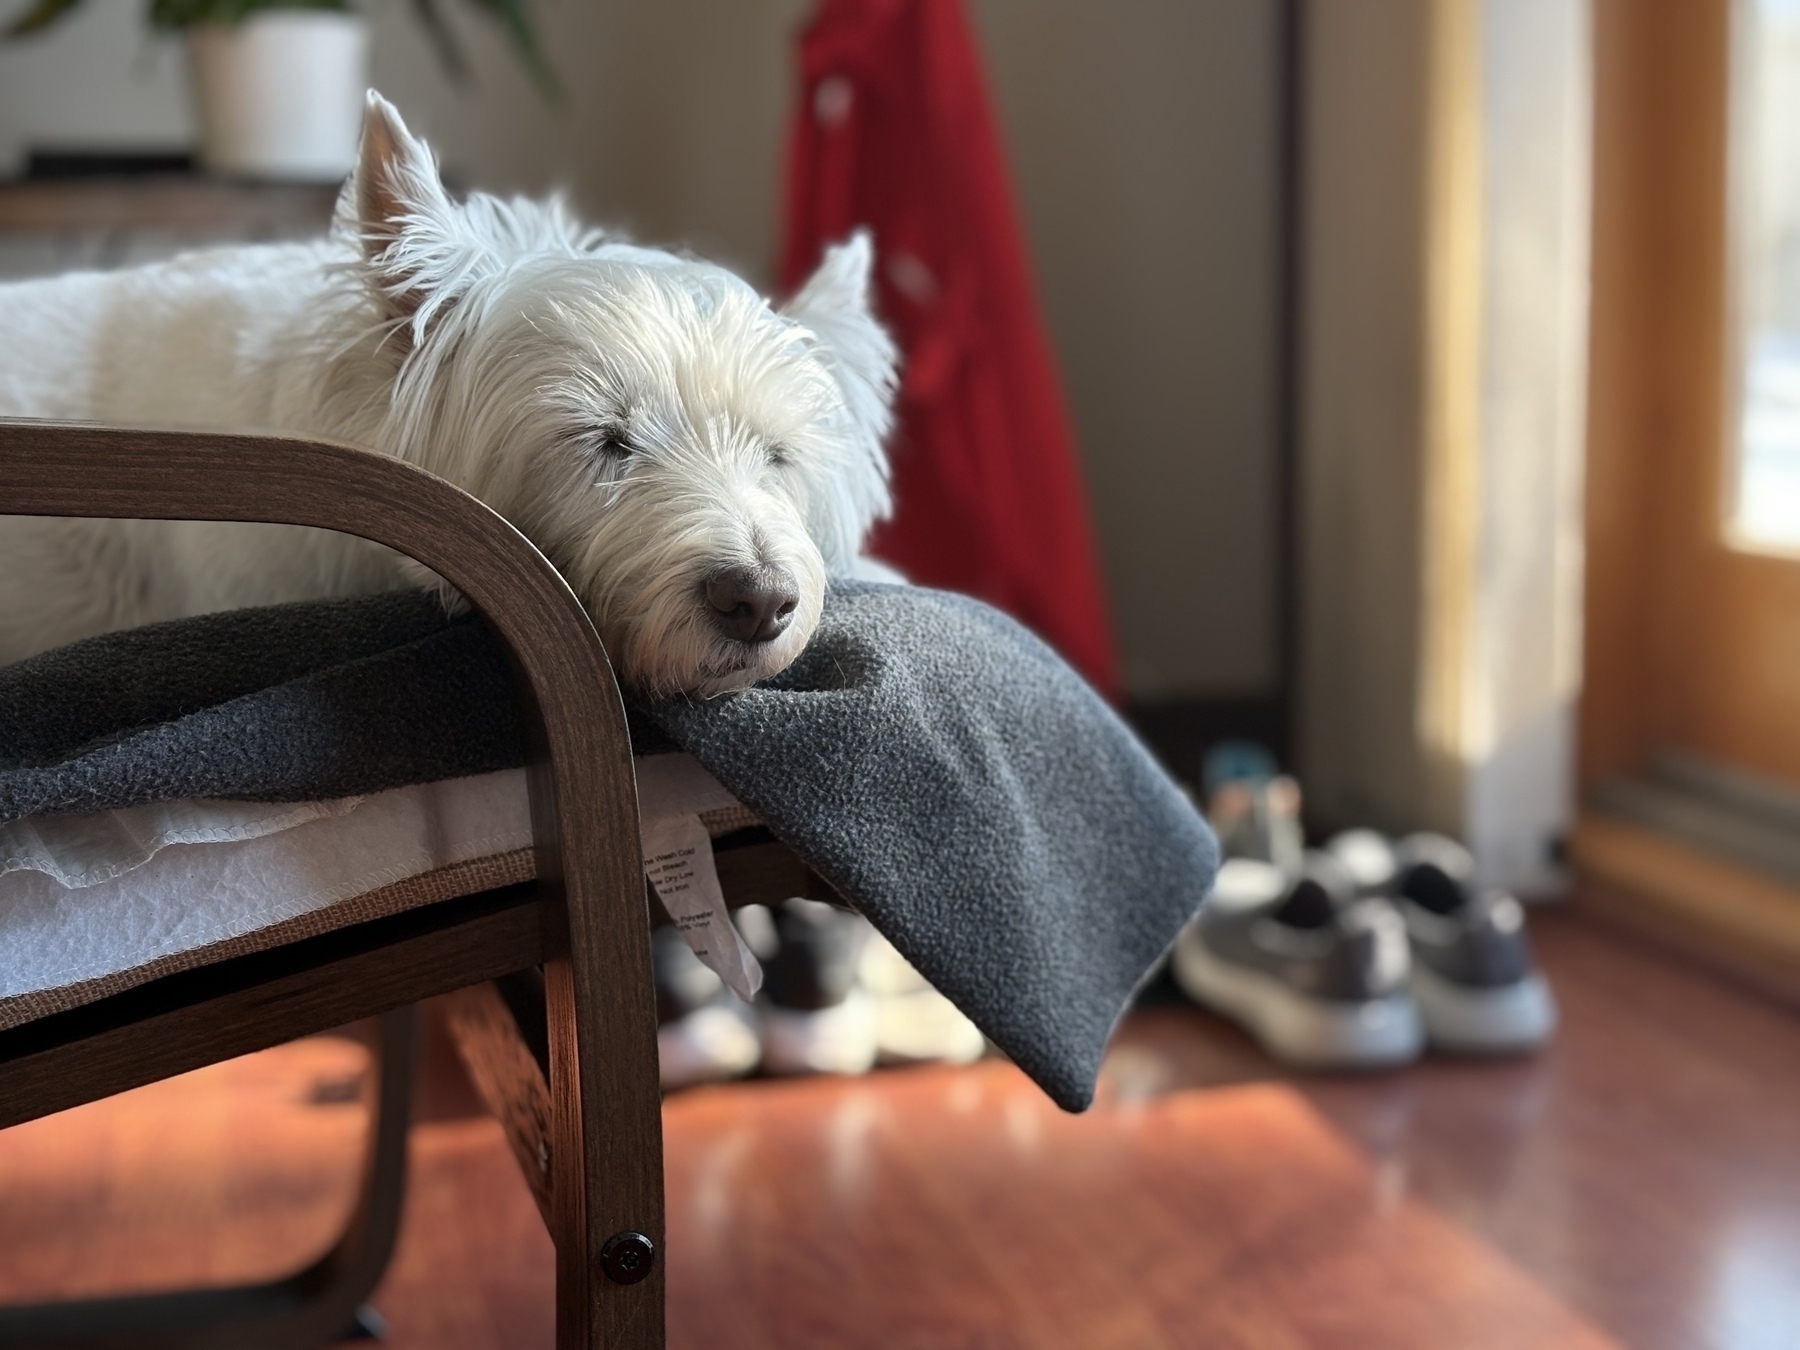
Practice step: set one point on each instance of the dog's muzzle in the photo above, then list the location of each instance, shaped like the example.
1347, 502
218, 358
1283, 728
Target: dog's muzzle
752, 604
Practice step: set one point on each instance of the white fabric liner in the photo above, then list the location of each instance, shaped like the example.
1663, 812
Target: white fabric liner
85, 897
83, 851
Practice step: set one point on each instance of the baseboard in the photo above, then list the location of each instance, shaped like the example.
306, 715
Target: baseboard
1713, 809
1180, 731
1728, 914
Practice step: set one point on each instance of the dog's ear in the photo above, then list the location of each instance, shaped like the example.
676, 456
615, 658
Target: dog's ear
396, 207
835, 304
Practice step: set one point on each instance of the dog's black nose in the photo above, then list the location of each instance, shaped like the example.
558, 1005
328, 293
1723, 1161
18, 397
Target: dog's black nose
752, 604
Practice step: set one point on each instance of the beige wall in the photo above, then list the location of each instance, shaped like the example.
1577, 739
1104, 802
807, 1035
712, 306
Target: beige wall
1142, 138
97, 80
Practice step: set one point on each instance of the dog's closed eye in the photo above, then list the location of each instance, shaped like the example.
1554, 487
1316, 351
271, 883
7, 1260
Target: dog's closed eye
614, 442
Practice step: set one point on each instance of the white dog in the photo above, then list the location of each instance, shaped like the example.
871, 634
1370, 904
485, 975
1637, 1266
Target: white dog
695, 462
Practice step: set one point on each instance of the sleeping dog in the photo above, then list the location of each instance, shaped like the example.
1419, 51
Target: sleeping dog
695, 461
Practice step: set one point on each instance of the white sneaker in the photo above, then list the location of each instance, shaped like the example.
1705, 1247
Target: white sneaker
839, 1038
709, 1045
1477, 986
914, 1024
1317, 977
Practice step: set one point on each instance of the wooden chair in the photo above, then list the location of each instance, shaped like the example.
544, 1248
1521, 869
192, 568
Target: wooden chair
563, 1046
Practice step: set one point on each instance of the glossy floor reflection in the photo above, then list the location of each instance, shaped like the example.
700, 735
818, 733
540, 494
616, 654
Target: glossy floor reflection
1639, 1185
1645, 1169
961, 1209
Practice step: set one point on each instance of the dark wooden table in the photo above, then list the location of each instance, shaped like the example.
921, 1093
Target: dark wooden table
164, 202
59, 225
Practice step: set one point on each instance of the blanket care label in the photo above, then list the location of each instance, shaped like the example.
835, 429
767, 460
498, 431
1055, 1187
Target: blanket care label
679, 863
678, 860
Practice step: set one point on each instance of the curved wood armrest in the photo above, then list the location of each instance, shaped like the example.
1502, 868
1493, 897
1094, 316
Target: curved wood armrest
79, 469
583, 788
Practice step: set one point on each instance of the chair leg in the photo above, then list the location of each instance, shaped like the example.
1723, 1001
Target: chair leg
306, 1309
509, 1068
517, 1037
606, 1169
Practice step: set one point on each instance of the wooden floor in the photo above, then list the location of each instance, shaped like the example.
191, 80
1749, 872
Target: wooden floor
1638, 1185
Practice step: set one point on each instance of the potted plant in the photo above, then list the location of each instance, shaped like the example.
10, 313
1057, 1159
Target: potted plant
278, 84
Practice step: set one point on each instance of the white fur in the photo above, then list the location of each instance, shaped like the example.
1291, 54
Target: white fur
646, 419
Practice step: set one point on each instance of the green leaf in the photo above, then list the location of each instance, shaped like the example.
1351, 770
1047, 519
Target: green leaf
38, 17
177, 14
443, 37
514, 16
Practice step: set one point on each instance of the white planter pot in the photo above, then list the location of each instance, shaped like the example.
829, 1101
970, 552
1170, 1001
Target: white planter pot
280, 95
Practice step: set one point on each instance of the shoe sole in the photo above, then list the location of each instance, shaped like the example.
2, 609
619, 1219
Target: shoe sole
709, 1045
924, 1027
838, 1039
1304, 1032
1507, 1020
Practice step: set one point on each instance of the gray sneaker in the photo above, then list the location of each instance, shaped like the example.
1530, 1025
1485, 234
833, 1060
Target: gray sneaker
1318, 976
1477, 987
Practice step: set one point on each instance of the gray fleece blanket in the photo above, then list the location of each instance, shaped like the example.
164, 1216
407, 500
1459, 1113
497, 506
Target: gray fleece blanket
937, 764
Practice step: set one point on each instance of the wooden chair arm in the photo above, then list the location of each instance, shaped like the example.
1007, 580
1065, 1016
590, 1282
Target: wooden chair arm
601, 1008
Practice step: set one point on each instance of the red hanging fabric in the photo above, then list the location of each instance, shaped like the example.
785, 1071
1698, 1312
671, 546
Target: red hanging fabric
893, 131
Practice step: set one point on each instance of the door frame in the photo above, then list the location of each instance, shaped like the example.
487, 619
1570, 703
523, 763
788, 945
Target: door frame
1660, 564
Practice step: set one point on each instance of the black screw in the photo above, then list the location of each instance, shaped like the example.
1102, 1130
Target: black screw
627, 1257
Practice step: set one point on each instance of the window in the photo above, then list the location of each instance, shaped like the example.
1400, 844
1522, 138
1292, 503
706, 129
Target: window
1765, 497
